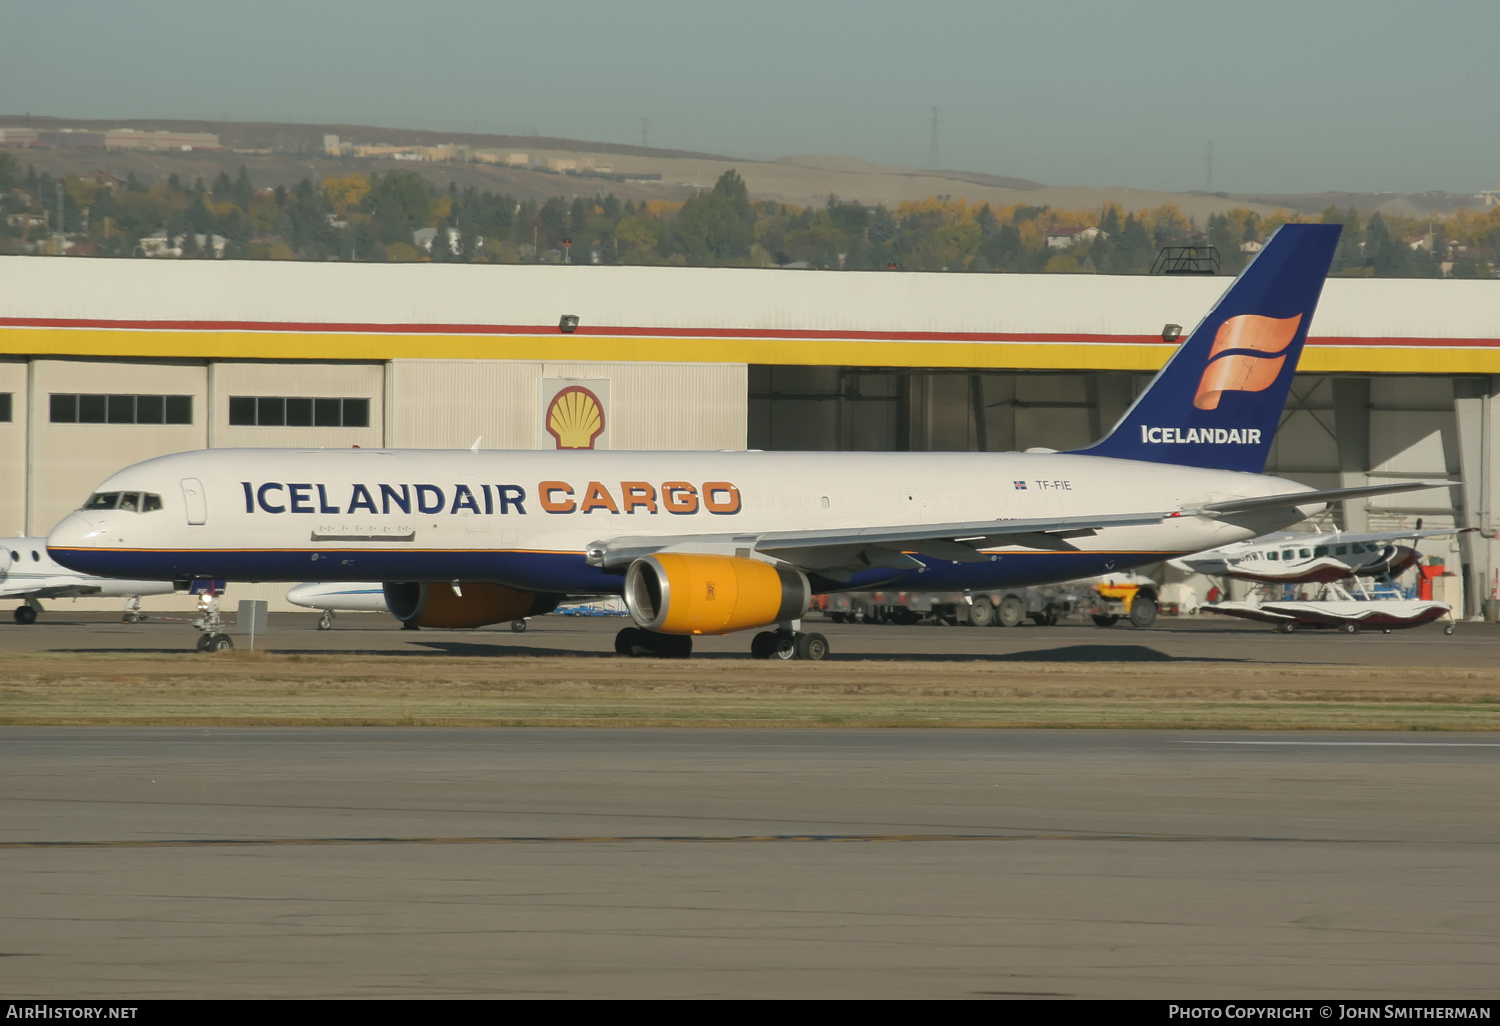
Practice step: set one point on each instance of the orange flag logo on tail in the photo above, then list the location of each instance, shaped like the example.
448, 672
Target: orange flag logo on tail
1241, 359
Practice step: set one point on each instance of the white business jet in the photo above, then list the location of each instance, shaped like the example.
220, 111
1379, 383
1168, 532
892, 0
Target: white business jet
28, 573
716, 542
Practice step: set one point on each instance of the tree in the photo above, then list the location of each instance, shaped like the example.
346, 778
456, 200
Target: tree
1385, 252
401, 202
717, 225
244, 194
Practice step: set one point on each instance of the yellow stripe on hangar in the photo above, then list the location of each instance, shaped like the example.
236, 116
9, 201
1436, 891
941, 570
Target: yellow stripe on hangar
302, 345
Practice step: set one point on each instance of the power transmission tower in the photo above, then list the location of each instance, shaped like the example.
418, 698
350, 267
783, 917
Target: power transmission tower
932, 149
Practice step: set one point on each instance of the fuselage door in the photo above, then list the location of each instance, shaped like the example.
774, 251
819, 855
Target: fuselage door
194, 501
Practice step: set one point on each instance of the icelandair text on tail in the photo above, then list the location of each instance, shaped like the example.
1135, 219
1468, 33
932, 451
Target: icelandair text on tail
1192, 436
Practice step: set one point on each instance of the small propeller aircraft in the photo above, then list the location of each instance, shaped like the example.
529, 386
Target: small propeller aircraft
1288, 558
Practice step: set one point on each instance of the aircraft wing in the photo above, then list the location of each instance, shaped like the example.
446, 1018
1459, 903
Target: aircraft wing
47, 588
1212, 509
835, 552
856, 548
1302, 498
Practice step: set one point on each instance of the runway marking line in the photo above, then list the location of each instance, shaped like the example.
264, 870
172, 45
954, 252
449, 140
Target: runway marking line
1354, 744
254, 842
639, 839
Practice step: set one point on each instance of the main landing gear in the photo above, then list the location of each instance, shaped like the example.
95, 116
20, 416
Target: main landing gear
637, 641
24, 614
788, 645
783, 644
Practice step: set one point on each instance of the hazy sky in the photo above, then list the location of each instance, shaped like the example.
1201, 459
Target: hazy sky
1295, 95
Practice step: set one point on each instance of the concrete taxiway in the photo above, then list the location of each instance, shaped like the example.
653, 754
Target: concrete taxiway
1185, 638
899, 863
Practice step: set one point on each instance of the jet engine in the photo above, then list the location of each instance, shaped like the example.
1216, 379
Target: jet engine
686, 593
462, 603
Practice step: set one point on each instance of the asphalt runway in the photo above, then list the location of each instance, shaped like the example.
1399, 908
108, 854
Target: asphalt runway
159, 863
1174, 638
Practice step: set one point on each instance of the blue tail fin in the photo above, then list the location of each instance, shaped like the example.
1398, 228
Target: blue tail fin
1218, 400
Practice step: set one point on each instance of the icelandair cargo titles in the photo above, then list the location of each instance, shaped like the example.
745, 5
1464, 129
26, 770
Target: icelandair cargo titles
717, 542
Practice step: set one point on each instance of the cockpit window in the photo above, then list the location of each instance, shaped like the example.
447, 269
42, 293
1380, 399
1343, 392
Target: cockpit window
135, 502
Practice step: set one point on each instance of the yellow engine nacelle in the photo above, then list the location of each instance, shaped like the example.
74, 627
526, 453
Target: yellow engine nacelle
469, 604
686, 593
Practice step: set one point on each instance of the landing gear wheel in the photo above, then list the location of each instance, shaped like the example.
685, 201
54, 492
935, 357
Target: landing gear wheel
129, 617
325, 622
25, 614
1104, 621
1142, 612
637, 642
625, 641
1285, 628
812, 646
981, 613
215, 643
519, 626
1349, 628
785, 646
1386, 630
762, 645
1448, 629
1012, 611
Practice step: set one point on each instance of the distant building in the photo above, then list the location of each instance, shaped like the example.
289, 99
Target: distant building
110, 139
331, 146
18, 138
423, 238
133, 139
1065, 237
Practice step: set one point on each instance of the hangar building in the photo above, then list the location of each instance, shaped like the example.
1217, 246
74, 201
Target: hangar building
107, 362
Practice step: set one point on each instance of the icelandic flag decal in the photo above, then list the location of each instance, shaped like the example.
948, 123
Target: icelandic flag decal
1020, 486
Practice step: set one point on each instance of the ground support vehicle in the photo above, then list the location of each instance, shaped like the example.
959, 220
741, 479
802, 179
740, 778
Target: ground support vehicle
1044, 605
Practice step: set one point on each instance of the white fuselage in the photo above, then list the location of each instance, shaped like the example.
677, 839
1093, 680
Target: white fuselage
527, 518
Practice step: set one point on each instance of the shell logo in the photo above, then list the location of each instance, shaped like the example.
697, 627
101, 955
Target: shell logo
575, 418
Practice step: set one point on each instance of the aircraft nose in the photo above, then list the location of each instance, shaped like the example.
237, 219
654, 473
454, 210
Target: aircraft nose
71, 539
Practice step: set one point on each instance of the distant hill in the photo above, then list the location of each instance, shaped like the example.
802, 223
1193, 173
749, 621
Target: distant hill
283, 153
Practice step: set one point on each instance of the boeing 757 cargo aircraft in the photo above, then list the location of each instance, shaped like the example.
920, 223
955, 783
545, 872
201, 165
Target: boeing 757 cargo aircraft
716, 542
